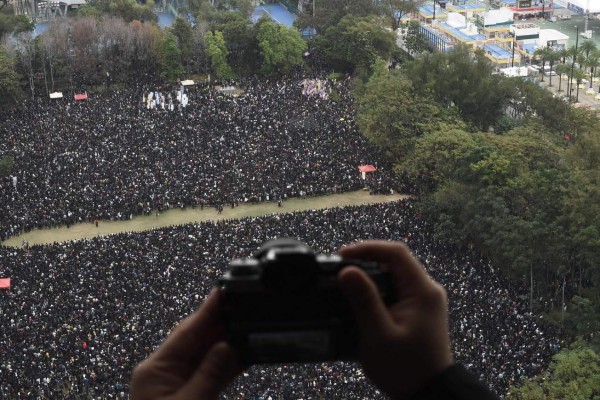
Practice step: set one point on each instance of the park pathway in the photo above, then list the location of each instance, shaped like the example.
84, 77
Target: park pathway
190, 215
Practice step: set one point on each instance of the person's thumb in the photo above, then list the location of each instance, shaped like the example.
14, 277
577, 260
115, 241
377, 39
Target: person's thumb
216, 371
361, 293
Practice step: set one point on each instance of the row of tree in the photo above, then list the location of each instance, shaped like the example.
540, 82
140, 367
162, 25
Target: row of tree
103, 50
507, 170
92, 51
576, 62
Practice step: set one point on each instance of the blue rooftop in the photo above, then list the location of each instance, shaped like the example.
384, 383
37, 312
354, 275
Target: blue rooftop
497, 51
463, 36
467, 6
277, 12
436, 33
427, 10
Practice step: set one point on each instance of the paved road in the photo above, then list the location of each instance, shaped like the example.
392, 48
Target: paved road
584, 98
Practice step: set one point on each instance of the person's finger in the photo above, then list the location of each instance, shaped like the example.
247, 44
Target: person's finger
218, 368
407, 271
366, 303
195, 335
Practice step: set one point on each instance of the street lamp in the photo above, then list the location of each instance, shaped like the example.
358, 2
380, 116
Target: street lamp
544, 9
573, 64
514, 35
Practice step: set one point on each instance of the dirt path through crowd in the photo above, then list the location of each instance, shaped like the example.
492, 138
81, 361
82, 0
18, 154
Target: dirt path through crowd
179, 217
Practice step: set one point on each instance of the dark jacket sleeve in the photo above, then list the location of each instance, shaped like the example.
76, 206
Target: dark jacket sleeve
454, 383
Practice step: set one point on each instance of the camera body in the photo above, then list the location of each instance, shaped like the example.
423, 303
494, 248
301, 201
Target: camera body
284, 304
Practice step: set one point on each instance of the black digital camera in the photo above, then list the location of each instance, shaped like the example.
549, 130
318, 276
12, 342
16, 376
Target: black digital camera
284, 304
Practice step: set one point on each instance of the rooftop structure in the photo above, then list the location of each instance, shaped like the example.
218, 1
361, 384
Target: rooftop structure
500, 55
495, 19
525, 31
553, 38
277, 12
467, 35
437, 39
426, 11
523, 8
39, 11
466, 8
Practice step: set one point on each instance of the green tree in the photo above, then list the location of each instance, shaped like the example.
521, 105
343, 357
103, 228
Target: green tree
564, 54
436, 154
14, 24
171, 63
244, 7
502, 193
217, 52
395, 10
10, 91
415, 42
6, 165
578, 76
329, 13
587, 46
459, 79
240, 37
562, 69
281, 48
129, 10
573, 375
183, 33
583, 319
551, 58
202, 10
582, 209
393, 117
542, 53
355, 44
593, 62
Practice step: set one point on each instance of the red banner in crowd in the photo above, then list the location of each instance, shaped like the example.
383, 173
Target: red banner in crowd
4, 283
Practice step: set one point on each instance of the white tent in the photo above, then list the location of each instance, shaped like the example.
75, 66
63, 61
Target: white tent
514, 71
188, 82
56, 95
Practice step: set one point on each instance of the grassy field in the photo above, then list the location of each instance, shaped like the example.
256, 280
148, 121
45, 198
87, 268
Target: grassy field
179, 217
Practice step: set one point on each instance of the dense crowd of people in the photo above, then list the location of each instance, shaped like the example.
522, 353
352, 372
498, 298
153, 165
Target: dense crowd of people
113, 157
81, 314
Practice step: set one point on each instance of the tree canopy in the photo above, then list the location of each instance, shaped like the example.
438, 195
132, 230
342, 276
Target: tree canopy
10, 91
129, 10
355, 43
217, 51
281, 48
573, 374
526, 199
456, 78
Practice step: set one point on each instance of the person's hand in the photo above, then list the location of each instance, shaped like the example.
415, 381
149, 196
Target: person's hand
192, 363
401, 347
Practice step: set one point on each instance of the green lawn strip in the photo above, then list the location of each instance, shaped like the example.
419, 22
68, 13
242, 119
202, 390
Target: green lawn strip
190, 215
